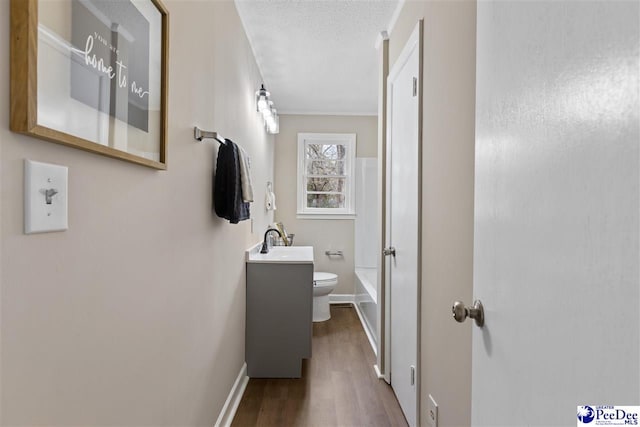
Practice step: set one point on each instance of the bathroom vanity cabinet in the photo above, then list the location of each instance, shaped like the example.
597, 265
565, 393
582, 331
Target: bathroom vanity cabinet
279, 311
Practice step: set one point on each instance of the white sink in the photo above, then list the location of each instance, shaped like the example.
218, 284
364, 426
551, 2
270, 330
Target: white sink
281, 254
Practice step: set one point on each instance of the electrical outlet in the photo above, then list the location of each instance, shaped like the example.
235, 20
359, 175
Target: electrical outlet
432, 412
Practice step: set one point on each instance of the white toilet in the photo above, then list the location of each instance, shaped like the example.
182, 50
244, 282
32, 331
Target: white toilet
323, 284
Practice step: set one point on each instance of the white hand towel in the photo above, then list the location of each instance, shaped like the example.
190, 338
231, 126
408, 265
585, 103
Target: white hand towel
245, 176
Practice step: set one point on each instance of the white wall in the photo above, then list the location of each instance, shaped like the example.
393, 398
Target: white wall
135, 315
447, 197
321, 234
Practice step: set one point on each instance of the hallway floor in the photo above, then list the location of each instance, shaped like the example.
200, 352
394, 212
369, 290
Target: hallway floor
338, 385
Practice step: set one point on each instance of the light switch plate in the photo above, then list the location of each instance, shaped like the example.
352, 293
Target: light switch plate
432, 412
45, 197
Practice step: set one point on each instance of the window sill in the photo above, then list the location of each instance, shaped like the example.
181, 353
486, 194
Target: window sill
325, 216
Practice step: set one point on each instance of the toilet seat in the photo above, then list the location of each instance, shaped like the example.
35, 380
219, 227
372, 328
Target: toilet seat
320, 278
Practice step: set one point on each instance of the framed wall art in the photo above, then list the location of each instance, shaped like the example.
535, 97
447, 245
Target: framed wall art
92, 74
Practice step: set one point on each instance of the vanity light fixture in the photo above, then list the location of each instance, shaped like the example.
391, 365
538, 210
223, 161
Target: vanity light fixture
265, 106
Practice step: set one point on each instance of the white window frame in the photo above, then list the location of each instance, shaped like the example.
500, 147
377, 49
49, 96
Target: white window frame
349, 141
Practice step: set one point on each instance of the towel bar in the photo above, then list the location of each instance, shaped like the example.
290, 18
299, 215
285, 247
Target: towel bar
200, 134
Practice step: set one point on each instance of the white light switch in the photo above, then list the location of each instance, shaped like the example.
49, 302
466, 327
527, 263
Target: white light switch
45, 197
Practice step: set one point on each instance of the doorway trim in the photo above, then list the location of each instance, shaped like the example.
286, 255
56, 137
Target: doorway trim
381, 356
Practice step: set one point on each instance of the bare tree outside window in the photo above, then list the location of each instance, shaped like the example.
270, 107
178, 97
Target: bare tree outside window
325, 175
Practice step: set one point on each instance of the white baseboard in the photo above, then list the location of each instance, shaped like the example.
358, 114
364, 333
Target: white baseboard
378, 373
342, 299
233, 400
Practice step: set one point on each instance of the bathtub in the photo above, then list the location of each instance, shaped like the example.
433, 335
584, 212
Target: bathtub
366, 302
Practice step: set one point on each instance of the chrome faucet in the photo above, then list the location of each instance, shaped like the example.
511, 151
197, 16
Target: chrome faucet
265, 246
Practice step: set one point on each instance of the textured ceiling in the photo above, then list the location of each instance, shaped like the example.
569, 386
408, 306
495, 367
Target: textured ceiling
318, 56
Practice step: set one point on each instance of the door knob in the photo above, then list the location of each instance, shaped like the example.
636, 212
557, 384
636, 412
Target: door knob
389, 251
461, 312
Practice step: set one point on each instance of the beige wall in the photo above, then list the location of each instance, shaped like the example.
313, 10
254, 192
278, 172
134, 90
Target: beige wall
321, 234
135, 315
447, 197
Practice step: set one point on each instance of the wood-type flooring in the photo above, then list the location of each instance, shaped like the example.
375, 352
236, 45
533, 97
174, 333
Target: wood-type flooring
338, 385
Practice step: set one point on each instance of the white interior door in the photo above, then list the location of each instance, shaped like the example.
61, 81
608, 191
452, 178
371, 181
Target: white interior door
556, 210
403, 175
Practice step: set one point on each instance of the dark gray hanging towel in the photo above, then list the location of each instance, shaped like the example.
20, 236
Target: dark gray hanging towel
227, 186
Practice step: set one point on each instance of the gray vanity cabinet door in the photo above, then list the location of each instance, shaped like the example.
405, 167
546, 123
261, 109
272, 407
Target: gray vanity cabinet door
279, 319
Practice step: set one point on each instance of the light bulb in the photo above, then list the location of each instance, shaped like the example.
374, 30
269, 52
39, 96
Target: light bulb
268, 111
273, 127
272, 124
262, 103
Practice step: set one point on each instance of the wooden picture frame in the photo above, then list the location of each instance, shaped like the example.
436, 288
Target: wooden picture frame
92, 75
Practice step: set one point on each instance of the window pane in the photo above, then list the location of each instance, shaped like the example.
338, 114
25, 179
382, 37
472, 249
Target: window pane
332, 201
325, 184
326, 151
325, 167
